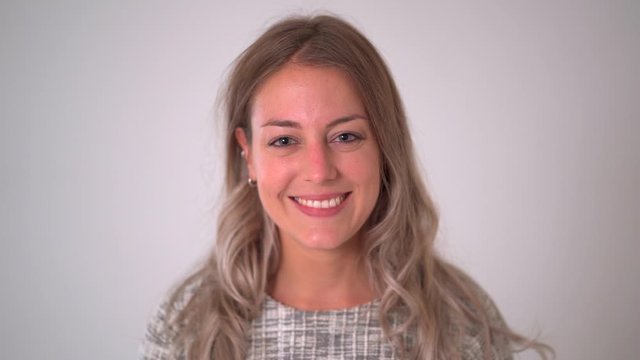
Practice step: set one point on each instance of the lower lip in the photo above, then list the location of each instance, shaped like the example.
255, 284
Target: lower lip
321, 212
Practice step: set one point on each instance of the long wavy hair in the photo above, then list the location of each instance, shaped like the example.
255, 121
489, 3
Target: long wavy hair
226, 293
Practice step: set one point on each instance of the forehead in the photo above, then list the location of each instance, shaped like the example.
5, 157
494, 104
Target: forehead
306, 93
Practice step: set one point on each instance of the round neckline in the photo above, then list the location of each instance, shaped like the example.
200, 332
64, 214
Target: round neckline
368, 305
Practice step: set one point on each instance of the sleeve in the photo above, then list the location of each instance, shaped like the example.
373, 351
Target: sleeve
473, 343
159, 340
156, 344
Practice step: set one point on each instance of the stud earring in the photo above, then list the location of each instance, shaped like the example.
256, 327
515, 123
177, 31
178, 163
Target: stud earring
252, 183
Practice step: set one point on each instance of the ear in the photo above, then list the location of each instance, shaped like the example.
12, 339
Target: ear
241, 138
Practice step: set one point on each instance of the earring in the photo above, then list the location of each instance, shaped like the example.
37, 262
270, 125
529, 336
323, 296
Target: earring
252, 183
242, 153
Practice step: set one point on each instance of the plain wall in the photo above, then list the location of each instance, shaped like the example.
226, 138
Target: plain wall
525, 115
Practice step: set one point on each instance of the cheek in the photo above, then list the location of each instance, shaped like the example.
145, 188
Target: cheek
273, 174
364, 170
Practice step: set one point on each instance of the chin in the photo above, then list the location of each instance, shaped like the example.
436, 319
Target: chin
325, 242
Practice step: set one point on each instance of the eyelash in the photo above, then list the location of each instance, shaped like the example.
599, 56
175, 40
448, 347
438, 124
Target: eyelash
276, 141
351, 137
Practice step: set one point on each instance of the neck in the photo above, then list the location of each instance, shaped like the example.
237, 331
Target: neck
311, 279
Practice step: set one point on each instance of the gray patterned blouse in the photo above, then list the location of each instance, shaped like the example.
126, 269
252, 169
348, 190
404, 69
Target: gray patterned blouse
283, 332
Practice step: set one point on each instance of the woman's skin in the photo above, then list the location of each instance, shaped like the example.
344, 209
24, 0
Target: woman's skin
317, 166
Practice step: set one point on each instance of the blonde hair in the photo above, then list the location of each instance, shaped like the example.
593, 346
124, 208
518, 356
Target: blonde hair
437, 300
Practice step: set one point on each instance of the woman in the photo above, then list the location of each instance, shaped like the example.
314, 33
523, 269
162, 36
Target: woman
325, 245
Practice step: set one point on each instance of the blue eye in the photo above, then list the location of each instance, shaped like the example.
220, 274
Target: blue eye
282, 141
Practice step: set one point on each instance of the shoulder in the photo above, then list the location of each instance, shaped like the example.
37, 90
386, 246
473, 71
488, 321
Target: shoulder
156, 344
488, 329
159, 340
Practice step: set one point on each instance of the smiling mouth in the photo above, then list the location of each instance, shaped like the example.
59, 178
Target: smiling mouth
321, 204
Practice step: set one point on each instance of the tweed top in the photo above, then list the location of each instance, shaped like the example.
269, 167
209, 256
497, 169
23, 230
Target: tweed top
283, 332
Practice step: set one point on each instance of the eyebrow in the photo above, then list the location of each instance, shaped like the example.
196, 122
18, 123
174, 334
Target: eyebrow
296, 125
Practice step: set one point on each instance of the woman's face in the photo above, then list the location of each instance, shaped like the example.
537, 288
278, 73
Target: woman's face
313, 155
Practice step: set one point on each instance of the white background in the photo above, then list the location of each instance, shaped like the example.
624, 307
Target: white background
525, 115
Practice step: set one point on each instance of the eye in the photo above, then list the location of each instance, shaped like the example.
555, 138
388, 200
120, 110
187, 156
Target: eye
347, 138
282, 141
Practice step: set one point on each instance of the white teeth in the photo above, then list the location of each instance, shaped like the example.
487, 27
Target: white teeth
318, 204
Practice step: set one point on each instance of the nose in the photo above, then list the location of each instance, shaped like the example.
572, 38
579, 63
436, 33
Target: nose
319, 164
